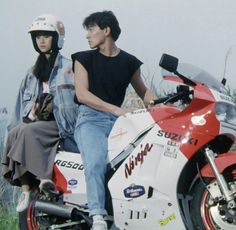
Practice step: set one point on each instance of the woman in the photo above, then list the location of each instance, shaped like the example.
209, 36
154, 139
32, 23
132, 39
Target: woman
34, 131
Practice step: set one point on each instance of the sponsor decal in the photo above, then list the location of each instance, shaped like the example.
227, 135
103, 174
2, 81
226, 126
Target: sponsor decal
139, 111
198, 120
167, 220
177, 137
226, 98
72, 182
171, 152
172, 143
40, 19
134, 191
69, 164
134, 161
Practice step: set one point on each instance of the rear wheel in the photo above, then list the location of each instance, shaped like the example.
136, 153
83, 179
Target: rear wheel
32, 219
212, 214
41, 221
25, 216
22, 216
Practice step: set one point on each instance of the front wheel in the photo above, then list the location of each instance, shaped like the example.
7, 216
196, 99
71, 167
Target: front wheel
208, 213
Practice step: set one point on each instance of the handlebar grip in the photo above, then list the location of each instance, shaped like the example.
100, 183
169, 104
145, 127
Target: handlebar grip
158, 101
169, 98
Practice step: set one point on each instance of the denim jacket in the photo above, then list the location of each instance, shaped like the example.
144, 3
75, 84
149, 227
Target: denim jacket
61, 86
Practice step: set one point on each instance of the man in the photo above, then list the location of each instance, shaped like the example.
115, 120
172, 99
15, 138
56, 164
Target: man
101, 78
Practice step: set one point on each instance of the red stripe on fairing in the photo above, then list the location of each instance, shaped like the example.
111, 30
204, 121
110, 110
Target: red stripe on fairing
173, 78
59, 180
174, 122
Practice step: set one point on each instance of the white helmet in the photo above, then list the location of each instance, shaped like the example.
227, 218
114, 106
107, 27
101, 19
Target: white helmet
48, 22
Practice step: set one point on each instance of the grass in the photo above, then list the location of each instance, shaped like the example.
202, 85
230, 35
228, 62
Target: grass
8, 219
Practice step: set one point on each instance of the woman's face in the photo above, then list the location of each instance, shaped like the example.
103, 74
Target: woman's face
44, 42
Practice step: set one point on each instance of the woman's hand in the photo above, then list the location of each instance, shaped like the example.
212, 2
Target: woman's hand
34, 108
32, 116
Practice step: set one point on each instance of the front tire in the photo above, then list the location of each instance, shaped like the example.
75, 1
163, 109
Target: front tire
209, 214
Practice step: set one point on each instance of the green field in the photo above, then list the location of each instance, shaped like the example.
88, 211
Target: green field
8, 219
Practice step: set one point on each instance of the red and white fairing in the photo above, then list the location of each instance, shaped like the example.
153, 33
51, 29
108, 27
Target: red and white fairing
69, 177
137, 187
174, 137
148, 150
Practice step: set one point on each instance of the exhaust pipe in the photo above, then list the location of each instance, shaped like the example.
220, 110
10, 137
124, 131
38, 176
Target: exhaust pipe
62, 210
54, 209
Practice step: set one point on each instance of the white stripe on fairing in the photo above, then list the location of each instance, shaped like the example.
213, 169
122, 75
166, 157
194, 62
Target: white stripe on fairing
126, 129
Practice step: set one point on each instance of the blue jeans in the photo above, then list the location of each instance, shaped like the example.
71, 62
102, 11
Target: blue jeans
91, 135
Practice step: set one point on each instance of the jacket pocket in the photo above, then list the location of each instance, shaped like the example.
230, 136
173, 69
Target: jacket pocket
27, 96
27, 102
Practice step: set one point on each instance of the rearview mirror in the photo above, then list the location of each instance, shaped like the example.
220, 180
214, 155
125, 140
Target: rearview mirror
169, 63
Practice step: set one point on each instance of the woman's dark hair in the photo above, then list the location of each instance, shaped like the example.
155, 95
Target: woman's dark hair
104, 19
43, 66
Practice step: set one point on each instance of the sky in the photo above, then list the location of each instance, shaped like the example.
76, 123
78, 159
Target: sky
200, 32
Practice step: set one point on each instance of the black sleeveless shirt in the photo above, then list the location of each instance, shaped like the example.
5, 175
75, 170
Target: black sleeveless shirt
108, 76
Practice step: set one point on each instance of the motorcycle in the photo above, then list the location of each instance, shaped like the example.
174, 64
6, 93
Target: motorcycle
169, 166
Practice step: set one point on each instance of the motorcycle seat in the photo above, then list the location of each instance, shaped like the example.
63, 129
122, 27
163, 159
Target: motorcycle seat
68, 144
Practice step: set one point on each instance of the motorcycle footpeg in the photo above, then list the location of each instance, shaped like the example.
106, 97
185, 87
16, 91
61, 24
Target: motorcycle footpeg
78, 215
47, 187
109, 218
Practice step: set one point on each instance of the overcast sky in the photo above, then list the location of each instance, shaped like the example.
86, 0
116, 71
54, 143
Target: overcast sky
200, 32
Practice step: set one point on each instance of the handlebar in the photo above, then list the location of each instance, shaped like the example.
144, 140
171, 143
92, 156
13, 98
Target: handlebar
171, 98
159, 100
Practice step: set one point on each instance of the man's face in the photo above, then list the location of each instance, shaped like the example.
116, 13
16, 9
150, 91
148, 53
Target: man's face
95, 36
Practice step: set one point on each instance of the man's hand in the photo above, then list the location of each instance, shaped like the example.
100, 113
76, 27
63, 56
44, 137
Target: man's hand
122, 111
148, 104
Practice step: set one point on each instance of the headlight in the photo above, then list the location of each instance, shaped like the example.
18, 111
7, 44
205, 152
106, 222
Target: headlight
226, 112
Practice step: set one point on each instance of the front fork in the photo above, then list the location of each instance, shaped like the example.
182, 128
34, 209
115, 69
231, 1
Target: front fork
228, 194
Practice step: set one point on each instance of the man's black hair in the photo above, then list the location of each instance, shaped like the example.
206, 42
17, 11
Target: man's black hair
104, 19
